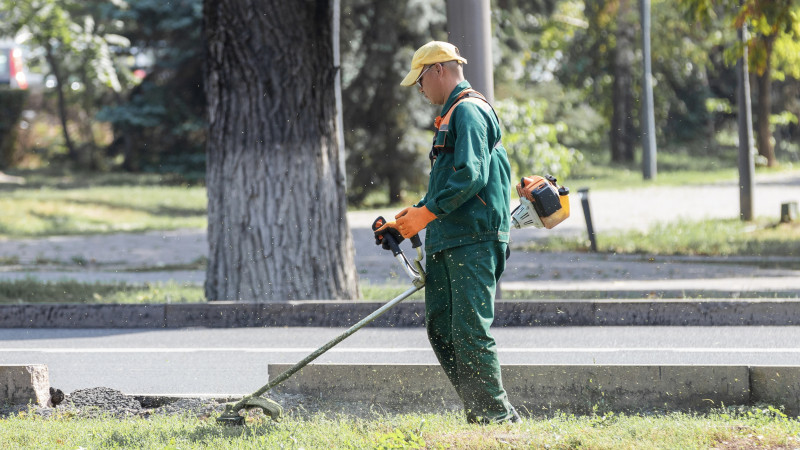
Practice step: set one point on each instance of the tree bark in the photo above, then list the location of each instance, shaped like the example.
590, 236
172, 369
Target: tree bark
277, 224
622, 136
764, 106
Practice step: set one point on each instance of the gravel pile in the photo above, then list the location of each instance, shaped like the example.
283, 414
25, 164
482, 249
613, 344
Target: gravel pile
103, 400
99, 401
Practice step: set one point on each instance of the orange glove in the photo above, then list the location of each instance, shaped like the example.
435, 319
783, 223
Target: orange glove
411, 221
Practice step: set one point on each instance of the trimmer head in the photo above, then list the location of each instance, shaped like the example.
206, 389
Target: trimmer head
231, 414
230, 419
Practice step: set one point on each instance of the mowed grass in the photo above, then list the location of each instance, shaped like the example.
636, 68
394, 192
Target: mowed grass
32, 290
746, 427
716, 237
49, 211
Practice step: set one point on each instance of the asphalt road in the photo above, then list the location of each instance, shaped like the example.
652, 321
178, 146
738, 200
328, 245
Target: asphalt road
234, 361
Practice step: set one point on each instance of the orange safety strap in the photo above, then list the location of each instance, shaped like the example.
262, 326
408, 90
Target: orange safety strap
442, 123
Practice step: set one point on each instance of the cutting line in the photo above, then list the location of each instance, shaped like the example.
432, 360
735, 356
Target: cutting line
401, 350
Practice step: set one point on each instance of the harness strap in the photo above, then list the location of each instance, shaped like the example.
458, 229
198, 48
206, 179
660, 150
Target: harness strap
443, 122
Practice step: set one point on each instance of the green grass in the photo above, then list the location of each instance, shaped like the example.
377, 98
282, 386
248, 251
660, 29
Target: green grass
623, 177
35, 291
384, 293
682, 164
51, 211
32, 290
746, 427
717, 237
51, 204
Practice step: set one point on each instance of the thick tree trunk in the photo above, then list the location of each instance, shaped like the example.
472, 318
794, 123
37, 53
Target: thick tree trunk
622, 136
277, 224
764, 108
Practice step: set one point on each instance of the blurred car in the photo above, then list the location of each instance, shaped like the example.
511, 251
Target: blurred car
12, 68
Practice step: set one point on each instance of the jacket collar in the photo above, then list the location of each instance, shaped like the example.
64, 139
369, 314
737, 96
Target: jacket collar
454, 95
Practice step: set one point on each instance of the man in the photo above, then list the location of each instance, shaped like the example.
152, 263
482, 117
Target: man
466, 212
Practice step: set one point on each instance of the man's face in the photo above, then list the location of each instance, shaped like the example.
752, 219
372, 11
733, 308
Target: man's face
429, 83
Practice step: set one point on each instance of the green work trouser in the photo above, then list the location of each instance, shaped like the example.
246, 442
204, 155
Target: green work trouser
459, 308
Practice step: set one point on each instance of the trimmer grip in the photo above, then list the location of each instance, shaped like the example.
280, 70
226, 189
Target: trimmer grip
416, 241
386, 239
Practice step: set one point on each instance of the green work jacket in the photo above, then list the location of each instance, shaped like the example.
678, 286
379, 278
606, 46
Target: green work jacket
469, 188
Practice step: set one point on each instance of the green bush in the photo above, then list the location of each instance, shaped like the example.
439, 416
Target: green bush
534, 145
12, 102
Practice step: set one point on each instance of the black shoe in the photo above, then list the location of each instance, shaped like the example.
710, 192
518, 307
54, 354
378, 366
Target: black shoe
513, 418
480, 420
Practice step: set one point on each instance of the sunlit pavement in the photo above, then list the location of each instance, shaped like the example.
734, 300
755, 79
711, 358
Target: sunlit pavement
135, 258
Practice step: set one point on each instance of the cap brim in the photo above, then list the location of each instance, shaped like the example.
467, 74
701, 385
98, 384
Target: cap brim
411, 77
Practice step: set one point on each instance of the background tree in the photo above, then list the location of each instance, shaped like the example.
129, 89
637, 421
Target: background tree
543, 120
386, 125
623, 131
277, 224
76, 40
770, 23
159, 124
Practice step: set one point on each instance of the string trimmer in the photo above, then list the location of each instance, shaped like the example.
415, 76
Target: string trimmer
390, 240
543, 204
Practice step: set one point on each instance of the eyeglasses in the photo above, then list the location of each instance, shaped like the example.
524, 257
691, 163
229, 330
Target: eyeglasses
419, 78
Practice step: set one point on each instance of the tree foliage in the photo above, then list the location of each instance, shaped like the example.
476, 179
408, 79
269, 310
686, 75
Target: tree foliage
386, 125
159, 125
77, 40
772, 48
532, 143
556, 53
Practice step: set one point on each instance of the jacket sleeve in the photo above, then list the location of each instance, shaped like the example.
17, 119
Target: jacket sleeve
471, 160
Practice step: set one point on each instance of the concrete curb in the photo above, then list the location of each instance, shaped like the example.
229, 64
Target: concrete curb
25, 383
774, 312
533, 389
548, 389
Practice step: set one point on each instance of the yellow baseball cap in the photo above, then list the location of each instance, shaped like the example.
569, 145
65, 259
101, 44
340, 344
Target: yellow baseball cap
431, 53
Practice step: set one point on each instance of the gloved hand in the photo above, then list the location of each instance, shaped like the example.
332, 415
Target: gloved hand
387, 228
411, 221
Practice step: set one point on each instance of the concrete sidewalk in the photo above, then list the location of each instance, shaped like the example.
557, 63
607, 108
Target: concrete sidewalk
161, 256
543, 275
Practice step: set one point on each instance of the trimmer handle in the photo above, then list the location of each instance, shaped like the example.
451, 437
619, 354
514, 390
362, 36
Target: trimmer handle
390, 238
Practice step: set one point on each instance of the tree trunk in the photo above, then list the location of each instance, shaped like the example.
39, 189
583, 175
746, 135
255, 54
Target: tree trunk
55, 67
277, 224
764, 107
622, 136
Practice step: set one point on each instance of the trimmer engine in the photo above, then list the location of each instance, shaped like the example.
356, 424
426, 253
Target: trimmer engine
542, 203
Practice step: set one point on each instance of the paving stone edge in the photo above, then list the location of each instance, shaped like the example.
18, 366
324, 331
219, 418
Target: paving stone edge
709, 312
